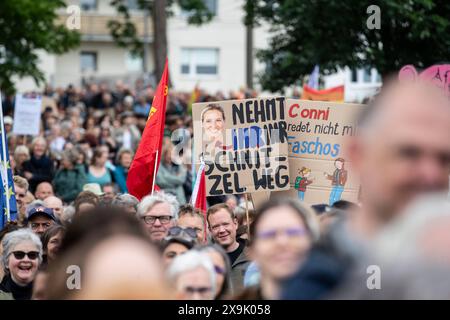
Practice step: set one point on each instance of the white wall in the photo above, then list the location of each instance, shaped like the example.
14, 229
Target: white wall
225, 32
46, 64
354, 91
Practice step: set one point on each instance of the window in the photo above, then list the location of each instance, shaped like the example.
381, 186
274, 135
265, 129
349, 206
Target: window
88, 61
354, 75
367, 75
199, 62
133, 63
210, 4
133, 5
378, 79
87, 5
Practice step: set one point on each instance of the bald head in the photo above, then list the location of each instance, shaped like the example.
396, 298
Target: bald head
402, 148
43, 190
55, 204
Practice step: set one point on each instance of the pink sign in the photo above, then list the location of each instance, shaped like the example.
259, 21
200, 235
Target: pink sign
438, 74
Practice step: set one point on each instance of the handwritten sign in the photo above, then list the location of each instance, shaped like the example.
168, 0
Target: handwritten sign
243, 144
27, 115
317, 131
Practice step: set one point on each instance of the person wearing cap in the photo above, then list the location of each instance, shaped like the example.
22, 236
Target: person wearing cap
39, 219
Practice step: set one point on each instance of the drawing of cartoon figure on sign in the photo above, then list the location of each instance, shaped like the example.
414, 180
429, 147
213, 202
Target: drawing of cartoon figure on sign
302, 181
338, 180
213, 124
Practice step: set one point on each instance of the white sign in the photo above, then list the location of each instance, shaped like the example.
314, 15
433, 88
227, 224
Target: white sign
27, 115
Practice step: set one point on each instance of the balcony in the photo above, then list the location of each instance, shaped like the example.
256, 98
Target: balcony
94, 27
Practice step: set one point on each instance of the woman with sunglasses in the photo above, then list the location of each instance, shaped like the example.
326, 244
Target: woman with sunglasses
222, 267
281, 236
22, 254
177, 242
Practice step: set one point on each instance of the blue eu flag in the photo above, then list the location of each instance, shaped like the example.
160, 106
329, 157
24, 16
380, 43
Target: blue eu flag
7, 185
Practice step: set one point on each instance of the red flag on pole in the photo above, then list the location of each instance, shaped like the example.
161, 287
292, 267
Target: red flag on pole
142, 174
198, 198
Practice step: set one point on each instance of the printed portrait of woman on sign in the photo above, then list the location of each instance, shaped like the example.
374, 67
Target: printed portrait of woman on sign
213, 125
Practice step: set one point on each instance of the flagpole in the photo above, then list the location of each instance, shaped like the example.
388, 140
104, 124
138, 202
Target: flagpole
154, 171
247, 216
4, 167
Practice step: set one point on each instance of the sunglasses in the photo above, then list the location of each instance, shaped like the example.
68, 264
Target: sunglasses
289, 232
177, 231
32, 255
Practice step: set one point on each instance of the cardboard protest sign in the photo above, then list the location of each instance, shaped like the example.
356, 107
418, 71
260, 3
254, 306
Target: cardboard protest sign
437, 74
243, 144
319, 172
27, 115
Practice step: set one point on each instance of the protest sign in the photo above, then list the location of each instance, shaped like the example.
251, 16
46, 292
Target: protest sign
437, 74
319, 172
27, 115
243, 144
332, 94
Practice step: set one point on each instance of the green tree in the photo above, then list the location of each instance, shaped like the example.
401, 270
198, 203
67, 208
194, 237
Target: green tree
26, 26
334, 33
125, 32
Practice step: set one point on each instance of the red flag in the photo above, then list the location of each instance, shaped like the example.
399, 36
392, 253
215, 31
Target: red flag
198, 198
148, 155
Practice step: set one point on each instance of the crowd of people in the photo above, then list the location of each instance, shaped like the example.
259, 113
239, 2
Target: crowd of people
80, 235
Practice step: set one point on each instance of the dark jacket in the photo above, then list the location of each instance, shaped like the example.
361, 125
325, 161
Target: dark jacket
69, 183
18, 292
42, 170
238, 269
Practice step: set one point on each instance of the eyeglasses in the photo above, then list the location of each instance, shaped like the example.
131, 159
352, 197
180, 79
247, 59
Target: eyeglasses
219, 270
200, 290
289, 232
152, 219
32, 255
176, 231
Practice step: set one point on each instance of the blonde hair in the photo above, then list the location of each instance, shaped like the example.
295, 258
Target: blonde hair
21, 182
210, 107
304, 170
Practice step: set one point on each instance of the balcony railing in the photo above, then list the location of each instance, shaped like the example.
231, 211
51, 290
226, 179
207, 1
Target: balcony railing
94, 27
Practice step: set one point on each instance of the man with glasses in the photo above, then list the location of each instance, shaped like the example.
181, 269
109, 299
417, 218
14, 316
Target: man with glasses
40, 219
158, 213
223, 227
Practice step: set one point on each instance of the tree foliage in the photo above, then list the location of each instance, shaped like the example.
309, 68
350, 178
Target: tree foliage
334, 33
26, 26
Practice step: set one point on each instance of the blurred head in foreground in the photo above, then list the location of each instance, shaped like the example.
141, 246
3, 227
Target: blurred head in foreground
281, 236
192, 276
106, 254
402, 148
